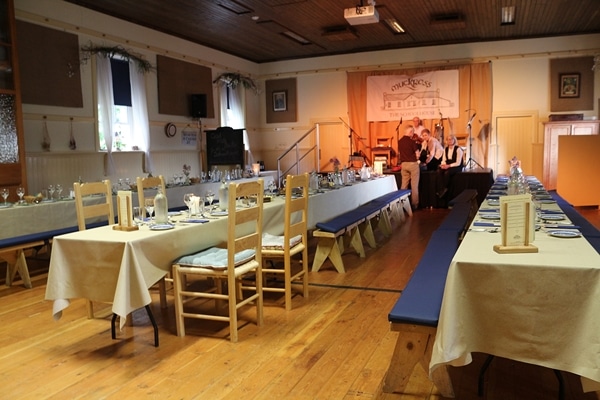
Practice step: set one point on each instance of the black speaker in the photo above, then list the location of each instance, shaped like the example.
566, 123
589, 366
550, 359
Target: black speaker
198, 106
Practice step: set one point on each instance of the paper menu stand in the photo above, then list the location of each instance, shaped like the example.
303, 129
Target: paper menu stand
124, 211
517, 225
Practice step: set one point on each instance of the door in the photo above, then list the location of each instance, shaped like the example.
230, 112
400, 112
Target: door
516, 135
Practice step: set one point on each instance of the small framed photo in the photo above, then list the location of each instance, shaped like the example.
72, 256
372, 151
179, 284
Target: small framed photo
280, 101
568, 85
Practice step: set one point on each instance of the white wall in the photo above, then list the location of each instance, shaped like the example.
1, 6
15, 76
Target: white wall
520, 82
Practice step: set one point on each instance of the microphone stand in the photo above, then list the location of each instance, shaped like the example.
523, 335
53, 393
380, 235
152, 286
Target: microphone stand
353, 155
471, 161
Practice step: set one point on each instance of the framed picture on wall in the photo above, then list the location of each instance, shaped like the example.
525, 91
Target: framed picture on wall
568, 85
280, 101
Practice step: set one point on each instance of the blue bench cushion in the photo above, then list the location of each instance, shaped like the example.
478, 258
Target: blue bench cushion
46, 235
466, 196
421, 299
458, 218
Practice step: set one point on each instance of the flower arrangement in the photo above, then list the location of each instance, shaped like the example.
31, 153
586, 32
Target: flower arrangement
336, 163
88, 50
187, 169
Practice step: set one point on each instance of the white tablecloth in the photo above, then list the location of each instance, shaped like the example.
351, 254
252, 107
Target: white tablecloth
539, 308
107, 265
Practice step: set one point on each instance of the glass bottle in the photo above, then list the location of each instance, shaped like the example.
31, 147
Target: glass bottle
223, 195
161, 208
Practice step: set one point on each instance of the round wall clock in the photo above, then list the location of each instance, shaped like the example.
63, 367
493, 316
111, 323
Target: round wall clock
170, 129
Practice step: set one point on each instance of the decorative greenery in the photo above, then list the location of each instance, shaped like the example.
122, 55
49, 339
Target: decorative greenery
232, 80
87, 51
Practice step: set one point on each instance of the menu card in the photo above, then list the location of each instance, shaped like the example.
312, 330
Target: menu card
124, 211
517, 220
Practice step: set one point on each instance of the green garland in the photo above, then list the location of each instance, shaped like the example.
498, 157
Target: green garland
87, 51
232, 80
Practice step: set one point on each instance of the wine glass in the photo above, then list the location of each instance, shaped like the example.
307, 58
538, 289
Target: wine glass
59, 190
149, 204
210, 196
4, 194
20, 193
188, 199
51, 192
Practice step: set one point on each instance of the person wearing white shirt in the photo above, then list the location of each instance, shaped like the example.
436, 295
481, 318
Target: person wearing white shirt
434, 151
452, 163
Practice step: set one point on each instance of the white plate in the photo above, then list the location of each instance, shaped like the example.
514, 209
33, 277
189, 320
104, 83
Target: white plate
565, 234
547, 201
493, 202
553, 217
195, 221
219, 213
173, 213
161, 227
489, 216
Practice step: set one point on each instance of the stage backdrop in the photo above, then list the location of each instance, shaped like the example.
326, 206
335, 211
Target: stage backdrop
426, 95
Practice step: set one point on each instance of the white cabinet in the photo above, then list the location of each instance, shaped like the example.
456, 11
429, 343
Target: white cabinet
552, 130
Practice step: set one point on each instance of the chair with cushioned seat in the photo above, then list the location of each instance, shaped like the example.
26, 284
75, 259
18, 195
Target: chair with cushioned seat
226, 266
290, 244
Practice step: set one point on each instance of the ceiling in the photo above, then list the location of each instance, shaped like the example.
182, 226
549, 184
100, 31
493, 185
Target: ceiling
253, 29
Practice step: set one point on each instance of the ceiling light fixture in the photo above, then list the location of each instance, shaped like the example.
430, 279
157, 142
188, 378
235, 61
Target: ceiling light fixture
508, 15
296, 37
394, 25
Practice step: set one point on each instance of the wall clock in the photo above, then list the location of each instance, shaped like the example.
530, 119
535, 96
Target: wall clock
170, 129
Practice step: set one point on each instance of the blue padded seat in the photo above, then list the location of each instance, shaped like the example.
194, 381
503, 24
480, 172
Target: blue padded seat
389, 197
43, 236
421, 299
458, 217
466, 196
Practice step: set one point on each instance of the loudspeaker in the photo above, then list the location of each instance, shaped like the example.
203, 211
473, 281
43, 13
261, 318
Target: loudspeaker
198, 106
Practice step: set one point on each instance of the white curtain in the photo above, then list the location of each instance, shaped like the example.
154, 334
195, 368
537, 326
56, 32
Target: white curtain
139, 126
105, 106
233, 114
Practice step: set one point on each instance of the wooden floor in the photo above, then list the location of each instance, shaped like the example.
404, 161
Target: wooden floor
334, 345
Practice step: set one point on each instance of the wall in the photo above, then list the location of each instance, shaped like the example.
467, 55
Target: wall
520, 82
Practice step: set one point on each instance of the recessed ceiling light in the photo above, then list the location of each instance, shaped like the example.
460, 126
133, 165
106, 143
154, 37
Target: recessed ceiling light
508, 15
296, 37
255, 18
394, 25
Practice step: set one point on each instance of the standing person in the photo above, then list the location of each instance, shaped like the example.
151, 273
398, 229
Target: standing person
435, 151
452, 163
410, 172
418, 127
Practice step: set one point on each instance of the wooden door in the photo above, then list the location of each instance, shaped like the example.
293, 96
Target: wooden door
516, 134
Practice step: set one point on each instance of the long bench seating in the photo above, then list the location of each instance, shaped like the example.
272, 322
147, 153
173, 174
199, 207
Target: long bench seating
12, 250
587, 229
416, 313
356, 225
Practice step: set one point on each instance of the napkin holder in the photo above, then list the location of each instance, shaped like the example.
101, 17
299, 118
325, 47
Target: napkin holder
521, 218
124, 211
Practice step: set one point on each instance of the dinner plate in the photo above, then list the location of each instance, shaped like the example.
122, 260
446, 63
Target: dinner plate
489, 216
195, 221
555, 217
219, 213
542, 197
173, 213
547, 201
565, 234
493, 202
161, 227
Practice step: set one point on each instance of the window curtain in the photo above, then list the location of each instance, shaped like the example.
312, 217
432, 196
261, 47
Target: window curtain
105, 102
233, 114
139, 126
475, 95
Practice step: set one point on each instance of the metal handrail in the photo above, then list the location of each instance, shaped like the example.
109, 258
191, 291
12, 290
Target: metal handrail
299, 158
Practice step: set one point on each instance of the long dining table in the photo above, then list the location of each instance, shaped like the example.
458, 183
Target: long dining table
539, 308
118, 267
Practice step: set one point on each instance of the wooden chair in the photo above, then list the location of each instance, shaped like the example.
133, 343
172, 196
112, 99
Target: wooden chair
154, 182
150, 182
292, 243
240, 258
85, 212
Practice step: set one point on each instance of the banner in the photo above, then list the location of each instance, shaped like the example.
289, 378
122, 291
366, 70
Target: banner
426, 95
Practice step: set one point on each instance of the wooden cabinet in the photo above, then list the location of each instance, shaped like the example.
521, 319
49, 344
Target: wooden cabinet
552, 130
12, 146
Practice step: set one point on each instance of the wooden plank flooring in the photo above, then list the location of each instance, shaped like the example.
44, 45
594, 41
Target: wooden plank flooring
334, 345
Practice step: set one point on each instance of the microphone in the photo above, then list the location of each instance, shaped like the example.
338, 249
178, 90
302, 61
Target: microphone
399, 123
473, 116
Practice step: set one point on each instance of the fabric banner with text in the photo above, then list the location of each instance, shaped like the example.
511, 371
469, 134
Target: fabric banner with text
426, 95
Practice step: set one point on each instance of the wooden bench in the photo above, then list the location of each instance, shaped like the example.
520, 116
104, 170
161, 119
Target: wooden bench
12, 250
416, 313
355, 225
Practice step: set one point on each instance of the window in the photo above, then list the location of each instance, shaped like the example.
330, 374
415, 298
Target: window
121, 109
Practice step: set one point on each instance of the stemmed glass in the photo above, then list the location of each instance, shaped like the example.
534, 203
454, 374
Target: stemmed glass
210, 196
187, 199
59, 190
20, 193
149, 204
4, 194
51, 192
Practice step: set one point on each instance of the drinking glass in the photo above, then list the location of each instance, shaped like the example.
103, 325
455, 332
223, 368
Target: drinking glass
51, 192
20, 193
4, 194
59, 190
149, 204
210, 196
187, 199
138, 215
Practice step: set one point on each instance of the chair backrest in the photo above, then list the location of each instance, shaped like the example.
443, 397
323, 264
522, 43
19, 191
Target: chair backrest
244, 225
148, 183
296, 208
85, 212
